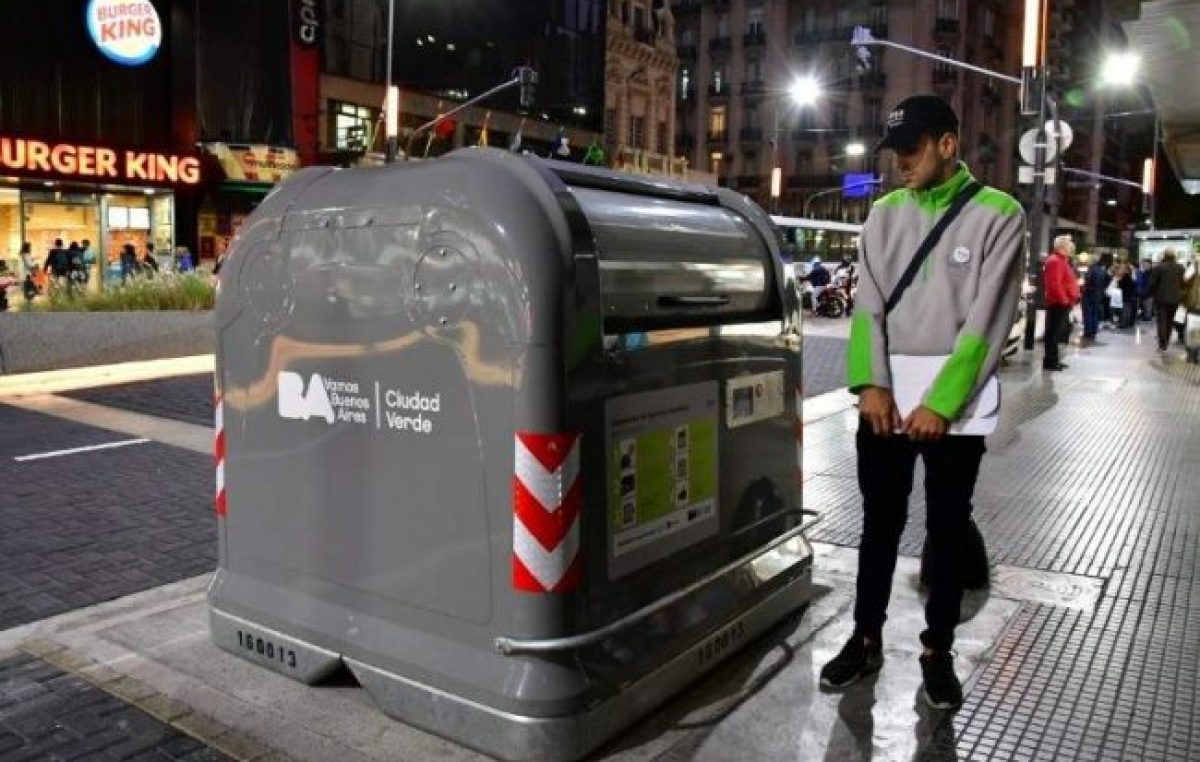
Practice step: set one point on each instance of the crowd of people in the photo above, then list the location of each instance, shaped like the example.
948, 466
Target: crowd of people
1117, 294
72, 266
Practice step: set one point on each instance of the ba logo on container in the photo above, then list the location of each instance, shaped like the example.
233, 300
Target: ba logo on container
128, 32
296, 404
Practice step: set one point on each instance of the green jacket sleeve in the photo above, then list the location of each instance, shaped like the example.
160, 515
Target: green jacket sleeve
866, 362
989, 321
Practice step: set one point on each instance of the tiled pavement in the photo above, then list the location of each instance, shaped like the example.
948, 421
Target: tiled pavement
48, 715
97, 525
1095, 471
184, 398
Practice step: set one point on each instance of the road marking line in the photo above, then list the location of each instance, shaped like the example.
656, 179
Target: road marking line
189, 436
76, 450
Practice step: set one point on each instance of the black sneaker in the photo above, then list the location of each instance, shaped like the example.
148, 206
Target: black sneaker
942, 689
856, 659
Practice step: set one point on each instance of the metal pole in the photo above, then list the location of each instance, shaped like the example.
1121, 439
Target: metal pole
775, 159
1154, 177
392, 140
1036, 239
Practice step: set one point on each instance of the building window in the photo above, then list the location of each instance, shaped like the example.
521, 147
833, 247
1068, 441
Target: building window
839, 116
661, 139
754, 22
718, 83
716, 120
872, 108
610, 127
637, 131
947, 9
353, 126
754, 71
687, 37
714, 162
943, 70
989, 23
685, 82
723, 25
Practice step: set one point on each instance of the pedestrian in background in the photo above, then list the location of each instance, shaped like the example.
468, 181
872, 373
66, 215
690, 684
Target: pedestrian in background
1062, 294
1095, 283
1166, 289
129, 262
1129, 300
1143, 290
922, 359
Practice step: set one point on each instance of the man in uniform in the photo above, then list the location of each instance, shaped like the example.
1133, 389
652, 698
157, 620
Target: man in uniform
925, 342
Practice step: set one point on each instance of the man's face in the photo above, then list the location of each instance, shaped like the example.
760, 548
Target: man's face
922, 166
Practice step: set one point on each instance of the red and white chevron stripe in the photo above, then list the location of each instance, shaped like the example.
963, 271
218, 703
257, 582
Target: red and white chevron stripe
547, 497
219, 450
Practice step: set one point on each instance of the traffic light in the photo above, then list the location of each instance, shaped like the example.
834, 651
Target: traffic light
527, 78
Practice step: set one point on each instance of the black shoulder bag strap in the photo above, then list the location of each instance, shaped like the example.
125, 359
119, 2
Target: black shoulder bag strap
931, 240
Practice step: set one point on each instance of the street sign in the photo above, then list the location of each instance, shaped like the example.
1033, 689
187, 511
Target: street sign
1026, 147
1066, 133
1025, 175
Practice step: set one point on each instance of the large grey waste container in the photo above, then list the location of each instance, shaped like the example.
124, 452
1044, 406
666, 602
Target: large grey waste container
516, 441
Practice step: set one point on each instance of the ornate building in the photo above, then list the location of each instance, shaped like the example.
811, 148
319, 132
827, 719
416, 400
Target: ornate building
738, 59
640, 79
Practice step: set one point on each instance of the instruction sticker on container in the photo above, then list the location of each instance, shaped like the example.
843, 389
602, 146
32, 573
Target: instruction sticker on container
662, 473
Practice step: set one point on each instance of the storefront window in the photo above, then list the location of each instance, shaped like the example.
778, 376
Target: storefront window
10, 228
52, 215
353, 126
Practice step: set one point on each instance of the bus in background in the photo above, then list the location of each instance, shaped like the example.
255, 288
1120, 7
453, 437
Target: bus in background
829, 241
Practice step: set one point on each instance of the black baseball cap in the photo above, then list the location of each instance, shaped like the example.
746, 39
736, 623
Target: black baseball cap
915, 117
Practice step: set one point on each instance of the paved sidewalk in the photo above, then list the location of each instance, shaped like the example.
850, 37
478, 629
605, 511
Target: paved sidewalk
1084, 648
1094, 472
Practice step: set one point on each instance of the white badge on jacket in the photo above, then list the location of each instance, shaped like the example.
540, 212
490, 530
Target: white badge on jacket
912, 377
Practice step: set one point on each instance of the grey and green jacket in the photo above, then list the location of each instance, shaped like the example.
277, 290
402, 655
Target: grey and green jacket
962, 302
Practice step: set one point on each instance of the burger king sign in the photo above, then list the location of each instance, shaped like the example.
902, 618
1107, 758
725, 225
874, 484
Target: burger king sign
127, 31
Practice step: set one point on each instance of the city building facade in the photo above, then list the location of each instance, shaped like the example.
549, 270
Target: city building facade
448, 53
641, 68
736, 119
153, 122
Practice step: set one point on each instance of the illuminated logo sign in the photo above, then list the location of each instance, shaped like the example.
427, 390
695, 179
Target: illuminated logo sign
21, 156
307, 20
129, 32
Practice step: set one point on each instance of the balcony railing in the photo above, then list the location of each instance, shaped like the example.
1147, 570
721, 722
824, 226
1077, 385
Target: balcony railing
875, 80
686, 95
814, 180
754, 87
751, 134
816, 36
944, 76
945, 26
718, 138
754, 39
748, 181
687, 52
718, 92
720, 45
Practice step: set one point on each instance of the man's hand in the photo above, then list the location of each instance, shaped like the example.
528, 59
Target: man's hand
924, 425
878, 407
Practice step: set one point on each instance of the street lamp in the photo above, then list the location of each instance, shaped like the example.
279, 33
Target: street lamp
855, 149
804, 90
1120, 69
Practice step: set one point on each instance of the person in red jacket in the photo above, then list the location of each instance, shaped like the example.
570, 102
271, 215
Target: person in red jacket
1062, 293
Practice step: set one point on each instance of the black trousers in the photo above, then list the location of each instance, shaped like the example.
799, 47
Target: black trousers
1166, 321
1056, 323
885, 477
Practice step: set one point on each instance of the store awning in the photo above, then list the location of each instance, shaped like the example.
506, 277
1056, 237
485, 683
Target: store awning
1167, 37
